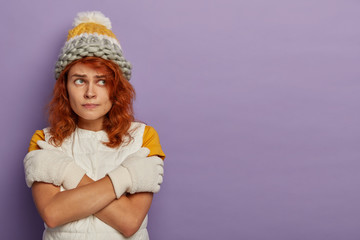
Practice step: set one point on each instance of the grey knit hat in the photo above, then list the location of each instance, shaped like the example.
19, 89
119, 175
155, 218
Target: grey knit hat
92, 36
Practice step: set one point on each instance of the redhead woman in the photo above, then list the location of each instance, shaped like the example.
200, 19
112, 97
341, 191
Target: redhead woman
94, 170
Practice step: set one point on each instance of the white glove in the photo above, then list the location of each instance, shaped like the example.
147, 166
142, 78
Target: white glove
51, 165
138, 173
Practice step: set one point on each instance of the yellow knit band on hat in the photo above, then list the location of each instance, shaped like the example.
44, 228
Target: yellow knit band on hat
90, 28
92, 37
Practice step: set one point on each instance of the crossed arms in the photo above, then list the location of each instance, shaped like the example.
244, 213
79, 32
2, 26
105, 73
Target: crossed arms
91, 198
103, 198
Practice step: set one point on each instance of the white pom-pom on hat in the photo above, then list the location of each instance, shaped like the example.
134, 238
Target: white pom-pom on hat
94, 17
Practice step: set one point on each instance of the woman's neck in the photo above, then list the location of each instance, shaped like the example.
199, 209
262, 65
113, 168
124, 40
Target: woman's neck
90, 125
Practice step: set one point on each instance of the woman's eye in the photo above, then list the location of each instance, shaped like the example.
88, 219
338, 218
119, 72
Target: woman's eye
79, 81
102, 82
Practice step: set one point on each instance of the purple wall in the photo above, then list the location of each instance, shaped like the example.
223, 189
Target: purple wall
256, 103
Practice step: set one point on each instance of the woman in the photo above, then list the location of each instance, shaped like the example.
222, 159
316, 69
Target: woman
93, 172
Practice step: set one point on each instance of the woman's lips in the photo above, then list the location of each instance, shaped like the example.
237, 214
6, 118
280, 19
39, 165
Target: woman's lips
90, 105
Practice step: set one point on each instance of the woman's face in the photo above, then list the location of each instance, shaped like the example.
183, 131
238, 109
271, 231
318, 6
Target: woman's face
88, 95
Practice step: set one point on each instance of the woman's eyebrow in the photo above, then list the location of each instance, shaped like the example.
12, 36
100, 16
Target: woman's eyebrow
100, 76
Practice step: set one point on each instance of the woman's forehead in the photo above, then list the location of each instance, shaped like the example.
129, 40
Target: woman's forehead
88, 69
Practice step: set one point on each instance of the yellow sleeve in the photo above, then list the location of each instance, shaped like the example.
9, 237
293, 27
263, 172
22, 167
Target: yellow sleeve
151, 141
38, 135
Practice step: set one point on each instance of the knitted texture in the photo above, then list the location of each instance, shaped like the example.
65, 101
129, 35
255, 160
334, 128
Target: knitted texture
138, 173
92, 37
52, 166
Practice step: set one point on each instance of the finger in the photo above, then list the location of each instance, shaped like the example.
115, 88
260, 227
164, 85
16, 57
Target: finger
160, 170
156, 189
45, 145
142, 152
157, 160
160, 181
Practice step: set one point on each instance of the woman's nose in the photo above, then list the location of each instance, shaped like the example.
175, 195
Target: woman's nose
90, 91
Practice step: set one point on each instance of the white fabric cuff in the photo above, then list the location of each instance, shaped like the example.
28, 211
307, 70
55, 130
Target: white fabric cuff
121, 180
28, 174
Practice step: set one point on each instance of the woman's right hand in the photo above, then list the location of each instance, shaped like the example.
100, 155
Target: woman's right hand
138, 173
51, 165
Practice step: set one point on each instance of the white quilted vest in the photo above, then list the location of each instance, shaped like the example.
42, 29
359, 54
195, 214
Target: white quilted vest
97, 160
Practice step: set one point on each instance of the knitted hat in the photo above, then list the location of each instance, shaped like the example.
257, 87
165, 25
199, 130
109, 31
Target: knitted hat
92, 36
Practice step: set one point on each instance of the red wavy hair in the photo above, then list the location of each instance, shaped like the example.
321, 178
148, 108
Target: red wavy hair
117, 121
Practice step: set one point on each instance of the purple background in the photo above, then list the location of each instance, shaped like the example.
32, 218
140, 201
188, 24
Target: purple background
256, 103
